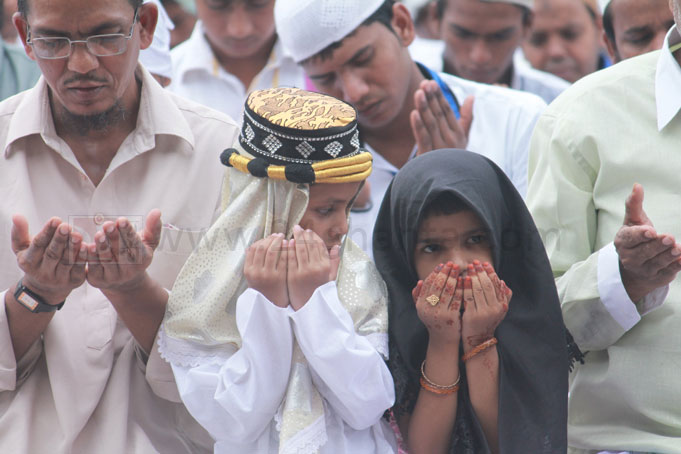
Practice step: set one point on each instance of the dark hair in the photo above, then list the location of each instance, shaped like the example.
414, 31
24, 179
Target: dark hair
527, 12
383, 15
607, 24
22, 6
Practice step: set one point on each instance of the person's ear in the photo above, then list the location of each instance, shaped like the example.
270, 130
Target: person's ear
21, 25
147, 16
402, 24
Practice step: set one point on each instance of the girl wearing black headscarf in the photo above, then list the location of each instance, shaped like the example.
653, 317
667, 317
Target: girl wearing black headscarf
456, 211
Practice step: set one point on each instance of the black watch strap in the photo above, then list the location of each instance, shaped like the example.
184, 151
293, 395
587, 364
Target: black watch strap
32, 301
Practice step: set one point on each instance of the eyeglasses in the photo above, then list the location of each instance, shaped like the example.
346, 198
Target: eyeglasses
52, 48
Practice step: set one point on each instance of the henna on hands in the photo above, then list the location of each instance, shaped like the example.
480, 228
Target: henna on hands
438, 305
486, 300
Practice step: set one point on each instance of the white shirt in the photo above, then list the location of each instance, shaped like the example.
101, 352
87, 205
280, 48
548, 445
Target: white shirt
238, 401
525, 78
503, 121
197, 75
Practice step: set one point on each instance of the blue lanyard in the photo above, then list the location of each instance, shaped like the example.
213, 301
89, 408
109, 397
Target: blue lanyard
446, 91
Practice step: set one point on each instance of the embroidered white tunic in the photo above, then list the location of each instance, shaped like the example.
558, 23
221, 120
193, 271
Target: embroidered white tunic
240, 401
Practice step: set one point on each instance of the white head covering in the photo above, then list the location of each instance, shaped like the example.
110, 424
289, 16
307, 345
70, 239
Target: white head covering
603, 4
307, 27
156, 58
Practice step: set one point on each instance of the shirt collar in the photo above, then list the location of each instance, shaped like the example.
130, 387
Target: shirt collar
668, 82
202, 55
203, 58
158, 114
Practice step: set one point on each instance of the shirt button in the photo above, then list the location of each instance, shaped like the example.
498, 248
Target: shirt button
99, 219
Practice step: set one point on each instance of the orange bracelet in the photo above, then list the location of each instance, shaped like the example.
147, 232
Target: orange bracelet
484, 346
442, 391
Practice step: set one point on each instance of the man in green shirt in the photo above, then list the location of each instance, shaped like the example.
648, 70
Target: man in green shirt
615, 257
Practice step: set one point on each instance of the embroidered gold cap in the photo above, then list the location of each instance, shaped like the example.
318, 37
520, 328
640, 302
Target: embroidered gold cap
300, 136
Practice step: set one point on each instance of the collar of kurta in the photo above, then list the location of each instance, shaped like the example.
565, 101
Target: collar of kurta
668, 81
157, 115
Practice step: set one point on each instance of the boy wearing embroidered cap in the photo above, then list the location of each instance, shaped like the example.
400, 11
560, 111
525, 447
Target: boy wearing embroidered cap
480, 38
277, 326
356, 50
634, 27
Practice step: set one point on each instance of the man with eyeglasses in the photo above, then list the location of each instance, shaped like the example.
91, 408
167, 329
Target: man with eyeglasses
89, 154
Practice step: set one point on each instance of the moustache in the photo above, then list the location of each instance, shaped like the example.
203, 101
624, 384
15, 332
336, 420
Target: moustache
86, 78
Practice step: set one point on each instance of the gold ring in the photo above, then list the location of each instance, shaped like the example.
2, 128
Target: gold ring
433, 300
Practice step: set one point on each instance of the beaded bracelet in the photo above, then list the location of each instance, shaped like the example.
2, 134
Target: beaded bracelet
440, 390
429, 385
484, 346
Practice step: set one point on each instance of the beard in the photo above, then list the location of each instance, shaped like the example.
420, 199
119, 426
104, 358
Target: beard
97, 122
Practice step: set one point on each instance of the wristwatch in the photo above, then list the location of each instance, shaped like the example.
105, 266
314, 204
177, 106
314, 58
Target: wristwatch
32, 301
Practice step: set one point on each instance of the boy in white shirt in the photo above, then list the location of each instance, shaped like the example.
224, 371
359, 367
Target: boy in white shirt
278, 345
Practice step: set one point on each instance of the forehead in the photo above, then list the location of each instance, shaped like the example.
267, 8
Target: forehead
640, 12
450, 224
574, 8
560, 13
326, 192
69, 15
228, 6
361, 37
476, 14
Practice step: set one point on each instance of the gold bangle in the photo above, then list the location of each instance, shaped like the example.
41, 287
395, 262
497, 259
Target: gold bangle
428, 381
439, 390
484, 346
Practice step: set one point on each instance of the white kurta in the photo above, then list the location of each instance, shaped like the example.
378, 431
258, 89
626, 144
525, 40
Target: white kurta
197, 75
524, 77
240, 401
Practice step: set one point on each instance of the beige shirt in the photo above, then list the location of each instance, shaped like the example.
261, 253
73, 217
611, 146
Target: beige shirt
86, 386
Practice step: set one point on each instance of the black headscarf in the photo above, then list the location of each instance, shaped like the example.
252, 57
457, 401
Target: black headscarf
533, 358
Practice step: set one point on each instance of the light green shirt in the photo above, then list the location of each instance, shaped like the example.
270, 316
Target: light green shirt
610, 130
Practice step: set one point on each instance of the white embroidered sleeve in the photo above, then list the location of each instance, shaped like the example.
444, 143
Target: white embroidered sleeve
235, 401
346, 368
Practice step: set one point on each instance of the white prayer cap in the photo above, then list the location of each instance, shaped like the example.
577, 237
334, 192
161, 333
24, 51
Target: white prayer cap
306, 27
156, 58
603, 4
